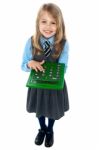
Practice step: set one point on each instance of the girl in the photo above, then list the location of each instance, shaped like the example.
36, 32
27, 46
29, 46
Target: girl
50, 31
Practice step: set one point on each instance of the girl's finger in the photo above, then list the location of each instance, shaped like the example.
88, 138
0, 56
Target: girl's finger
42, 62
40, 68
35, 69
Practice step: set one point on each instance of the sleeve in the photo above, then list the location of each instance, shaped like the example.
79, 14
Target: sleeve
27, 56
64, 55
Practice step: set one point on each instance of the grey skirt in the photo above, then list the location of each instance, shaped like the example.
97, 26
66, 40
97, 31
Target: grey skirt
48, 103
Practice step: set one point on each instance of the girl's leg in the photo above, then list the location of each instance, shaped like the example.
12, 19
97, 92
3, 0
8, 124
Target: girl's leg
41, 134
42, 122
49, 140
50, 125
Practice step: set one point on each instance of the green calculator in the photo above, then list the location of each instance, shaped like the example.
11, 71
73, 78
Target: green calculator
51, 78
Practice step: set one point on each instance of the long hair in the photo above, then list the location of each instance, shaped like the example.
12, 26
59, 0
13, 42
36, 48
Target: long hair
56, 13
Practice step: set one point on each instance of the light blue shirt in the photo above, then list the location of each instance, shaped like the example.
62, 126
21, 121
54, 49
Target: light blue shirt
28, 55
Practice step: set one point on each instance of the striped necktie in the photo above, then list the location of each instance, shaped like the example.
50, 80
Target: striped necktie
47, 48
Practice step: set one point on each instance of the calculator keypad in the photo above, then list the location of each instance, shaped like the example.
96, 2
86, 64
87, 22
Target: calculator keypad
51, 73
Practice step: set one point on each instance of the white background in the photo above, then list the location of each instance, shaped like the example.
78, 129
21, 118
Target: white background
79, 129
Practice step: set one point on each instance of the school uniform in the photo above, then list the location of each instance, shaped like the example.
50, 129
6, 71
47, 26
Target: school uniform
46, 102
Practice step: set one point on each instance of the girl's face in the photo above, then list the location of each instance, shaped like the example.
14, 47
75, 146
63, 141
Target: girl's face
47, 25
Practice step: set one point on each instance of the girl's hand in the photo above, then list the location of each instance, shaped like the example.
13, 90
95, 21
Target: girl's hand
36, 65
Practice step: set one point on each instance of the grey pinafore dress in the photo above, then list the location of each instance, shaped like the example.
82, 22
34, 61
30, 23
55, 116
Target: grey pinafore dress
47, 102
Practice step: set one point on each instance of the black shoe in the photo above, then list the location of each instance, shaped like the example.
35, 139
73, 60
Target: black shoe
40, 137
49, 140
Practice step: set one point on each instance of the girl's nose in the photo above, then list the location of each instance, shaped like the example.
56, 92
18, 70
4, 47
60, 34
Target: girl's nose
48, 24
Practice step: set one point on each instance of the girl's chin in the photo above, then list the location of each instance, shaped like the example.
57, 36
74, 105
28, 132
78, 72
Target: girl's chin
47, 35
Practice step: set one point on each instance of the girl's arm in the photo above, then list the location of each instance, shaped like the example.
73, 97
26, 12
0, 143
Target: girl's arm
27, 62
64, 55
27, 56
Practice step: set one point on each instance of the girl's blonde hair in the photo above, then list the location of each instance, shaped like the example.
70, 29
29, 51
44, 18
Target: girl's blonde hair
56, 13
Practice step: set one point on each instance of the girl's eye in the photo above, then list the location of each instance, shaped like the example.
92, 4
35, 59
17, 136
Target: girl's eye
43, 21
53, 22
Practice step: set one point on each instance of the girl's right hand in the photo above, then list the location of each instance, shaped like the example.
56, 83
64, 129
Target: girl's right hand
36, 65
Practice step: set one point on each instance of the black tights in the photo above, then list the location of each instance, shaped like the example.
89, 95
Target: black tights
43, 125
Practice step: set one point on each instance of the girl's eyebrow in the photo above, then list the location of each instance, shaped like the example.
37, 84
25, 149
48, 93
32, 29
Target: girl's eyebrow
43, 18
46, 19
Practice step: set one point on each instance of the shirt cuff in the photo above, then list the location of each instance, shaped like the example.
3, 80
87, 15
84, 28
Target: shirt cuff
25, 68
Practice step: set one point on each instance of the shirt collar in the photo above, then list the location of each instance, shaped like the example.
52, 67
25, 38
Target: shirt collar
43, 39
